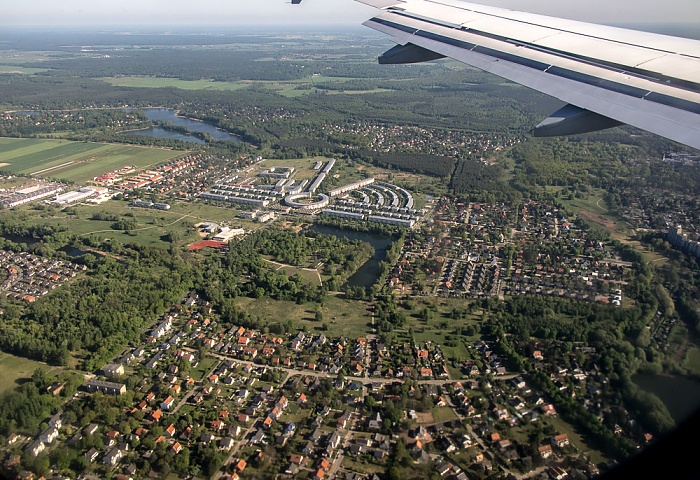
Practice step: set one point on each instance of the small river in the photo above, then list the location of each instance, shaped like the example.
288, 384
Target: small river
169, 115
367, 274
680, 395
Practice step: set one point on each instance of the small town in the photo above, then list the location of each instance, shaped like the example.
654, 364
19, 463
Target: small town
313, 407
238, 244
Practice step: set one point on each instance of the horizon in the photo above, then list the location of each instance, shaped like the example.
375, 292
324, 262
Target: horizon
679, 29
310, 12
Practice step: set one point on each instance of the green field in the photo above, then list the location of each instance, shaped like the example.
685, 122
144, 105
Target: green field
14, 369
153, 82
303, 167
290, 88
76, 161
4, 69
344, 317
443, 414
152, 225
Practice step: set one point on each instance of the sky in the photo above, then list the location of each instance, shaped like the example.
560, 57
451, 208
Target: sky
319, 12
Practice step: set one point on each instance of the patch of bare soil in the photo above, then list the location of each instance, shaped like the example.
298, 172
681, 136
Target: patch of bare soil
609, 225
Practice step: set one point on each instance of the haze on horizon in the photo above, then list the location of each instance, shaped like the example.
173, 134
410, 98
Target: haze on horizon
311, 12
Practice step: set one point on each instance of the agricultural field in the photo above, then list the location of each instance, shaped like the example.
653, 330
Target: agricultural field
290, 88
75, 161
153, 82
8, 69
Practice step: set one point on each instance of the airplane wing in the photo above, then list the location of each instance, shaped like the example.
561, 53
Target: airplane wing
607, 75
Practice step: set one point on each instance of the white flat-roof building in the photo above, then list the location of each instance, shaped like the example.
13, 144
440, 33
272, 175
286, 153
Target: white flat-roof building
342, 214
73, 197
227, 234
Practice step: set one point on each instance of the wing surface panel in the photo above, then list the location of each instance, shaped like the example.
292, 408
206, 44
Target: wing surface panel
646, 80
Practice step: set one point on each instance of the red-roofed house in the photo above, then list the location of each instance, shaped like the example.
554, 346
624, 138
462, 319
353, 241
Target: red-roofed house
167, 403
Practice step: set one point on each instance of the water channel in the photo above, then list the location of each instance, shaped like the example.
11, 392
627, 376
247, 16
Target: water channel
367, 274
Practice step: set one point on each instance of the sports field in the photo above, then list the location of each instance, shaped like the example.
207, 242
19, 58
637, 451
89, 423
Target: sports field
76, 161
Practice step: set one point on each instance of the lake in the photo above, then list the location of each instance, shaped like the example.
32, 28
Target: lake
680, 395
169, 115
367, 274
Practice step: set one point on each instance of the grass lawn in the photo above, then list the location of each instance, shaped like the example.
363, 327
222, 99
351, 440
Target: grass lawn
76, 161
443, 414
692, 360
677, 335
576, 439
303, 167
203, 368
307, 275
14, 369
363, 466
152, 225
344, 317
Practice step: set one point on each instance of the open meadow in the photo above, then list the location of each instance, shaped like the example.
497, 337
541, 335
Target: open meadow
287, 88
75, 161
343, 317
14, 370
161, 82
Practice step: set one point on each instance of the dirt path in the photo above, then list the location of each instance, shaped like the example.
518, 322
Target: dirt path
600, 220
186, 215
282, 265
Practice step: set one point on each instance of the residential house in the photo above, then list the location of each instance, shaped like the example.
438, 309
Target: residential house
545, 451
167, 403
35, 448
113, 456
226, 443
49, 435
560, 440
91, 455
112, 370
55, 421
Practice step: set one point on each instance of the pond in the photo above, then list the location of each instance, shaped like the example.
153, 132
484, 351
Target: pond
680, 395
368, 273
